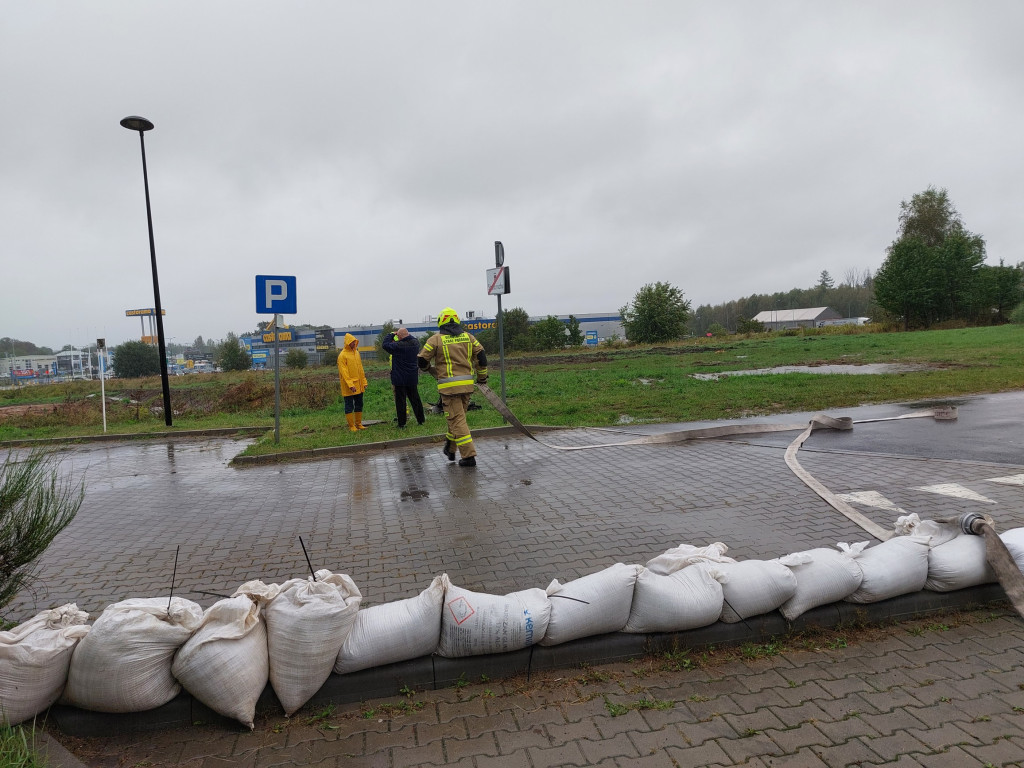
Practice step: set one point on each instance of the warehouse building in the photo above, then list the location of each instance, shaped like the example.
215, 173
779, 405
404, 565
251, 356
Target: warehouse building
779, 319
595, 327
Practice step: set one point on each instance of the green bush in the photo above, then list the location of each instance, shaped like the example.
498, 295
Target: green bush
35, 505
296, 358
1017, 315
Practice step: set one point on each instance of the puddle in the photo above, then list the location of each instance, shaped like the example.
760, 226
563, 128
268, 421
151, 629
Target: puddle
414, 495
855, 370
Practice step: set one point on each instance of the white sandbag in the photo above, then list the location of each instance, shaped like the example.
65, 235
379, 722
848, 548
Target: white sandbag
225, 664
473, 623
686, 599
894, 567
34, 660
591, 605
823, 576
1014, 541
392, 632
938, 533
307, 623
752, 587
679, 557
958, 564
124, 663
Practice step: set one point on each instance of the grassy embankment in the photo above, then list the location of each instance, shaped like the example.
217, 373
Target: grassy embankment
588, 387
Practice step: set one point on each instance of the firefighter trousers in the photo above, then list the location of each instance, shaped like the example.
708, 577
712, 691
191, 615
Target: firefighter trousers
458, 430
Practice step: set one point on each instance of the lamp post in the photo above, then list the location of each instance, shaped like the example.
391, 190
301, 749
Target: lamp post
141, 124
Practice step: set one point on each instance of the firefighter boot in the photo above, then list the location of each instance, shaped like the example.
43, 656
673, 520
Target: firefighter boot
449, 450
351, 419
469, 461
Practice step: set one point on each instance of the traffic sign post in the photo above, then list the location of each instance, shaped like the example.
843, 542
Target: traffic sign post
498, 285
101, 351
275, 294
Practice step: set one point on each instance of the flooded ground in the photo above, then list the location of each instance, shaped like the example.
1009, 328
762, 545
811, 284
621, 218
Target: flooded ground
857, 370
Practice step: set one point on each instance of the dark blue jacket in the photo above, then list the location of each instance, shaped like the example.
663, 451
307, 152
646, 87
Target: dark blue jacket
404, 370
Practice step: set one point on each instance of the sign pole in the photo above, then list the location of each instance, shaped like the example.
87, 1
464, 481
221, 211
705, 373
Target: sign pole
499, 261
101, 349
277, 382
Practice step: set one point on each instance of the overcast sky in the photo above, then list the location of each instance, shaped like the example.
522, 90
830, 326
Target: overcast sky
376, 150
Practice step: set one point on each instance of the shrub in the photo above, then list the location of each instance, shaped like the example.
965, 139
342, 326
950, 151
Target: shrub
1017, 315
35, 505
296, 358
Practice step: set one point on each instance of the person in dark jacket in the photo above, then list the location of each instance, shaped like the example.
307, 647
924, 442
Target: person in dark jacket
403, 348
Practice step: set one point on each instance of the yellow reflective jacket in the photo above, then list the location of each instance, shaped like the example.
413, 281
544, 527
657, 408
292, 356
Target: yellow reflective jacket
456, 358
350, 367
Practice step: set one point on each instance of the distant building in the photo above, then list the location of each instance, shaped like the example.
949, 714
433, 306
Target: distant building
814, 317
595, 327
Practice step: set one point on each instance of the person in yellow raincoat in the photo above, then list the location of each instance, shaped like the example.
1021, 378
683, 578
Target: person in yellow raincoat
353, 381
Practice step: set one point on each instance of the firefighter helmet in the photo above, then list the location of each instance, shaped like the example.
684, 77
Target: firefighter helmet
448, 315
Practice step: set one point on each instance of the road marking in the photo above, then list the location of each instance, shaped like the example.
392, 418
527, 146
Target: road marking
1008, 480
871, 499
955, 490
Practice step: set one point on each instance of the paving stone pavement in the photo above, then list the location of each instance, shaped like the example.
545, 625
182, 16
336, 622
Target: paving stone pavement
526, 515
934, 692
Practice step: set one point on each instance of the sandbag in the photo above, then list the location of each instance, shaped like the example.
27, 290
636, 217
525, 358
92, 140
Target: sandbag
226, 664
939, 533
679, 557
34, 661
1014, 541
823, 576
686, 599
393, 632
474, 623
752, 587
307, 623
894, 567
958, 564
591, 605
124, 663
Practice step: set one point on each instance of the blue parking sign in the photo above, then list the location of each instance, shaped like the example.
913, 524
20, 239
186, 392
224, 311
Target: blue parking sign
275, 295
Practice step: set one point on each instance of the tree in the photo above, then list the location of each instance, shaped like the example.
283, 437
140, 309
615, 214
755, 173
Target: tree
575, 334
825, 281
296, 358
929, 216
135, 359
1006, 288
231, 355
748, 326
515, 328
658, 312
547, 334
35, 505
331, 356
385, 333
931, 272
905, 285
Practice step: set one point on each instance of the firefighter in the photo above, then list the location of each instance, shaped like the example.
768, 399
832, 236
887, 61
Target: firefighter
455, 354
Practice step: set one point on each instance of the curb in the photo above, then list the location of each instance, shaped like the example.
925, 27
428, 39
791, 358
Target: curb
53, 754
341, 450
122, 437
435, 672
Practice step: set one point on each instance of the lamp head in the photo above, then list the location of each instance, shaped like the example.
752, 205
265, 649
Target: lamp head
136, 123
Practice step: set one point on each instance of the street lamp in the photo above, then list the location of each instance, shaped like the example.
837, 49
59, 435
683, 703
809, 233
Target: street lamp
141, 124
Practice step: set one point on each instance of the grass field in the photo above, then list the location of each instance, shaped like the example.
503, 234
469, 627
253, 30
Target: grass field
583, 387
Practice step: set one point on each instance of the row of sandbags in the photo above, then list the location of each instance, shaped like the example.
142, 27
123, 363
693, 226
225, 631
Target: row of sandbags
140, 652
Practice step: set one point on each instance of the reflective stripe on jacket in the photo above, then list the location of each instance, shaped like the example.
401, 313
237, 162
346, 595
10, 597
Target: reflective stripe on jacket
454, 357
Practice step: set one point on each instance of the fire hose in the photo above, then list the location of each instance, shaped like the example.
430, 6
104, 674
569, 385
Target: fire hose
999, 558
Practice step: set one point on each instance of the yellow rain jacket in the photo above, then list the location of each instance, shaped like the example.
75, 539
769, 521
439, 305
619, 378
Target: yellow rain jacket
350, 367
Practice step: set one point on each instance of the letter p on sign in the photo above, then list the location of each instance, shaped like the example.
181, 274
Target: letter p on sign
275, 295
